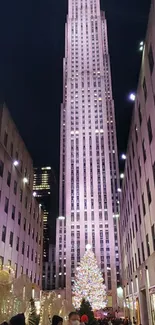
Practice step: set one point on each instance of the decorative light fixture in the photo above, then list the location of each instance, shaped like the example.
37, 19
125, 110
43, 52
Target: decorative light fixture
34, 194
119, 190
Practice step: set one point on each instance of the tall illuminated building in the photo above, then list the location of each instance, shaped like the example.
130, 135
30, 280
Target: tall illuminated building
45, 190
88, 207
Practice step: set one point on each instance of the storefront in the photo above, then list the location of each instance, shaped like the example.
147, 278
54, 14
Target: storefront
152, 298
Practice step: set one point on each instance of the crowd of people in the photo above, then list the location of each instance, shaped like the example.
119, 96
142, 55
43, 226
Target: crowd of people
73, 319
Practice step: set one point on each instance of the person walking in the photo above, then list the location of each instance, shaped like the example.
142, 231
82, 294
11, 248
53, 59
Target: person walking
57, 320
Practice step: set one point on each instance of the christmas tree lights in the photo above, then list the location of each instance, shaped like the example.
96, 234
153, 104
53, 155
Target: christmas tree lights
88, 283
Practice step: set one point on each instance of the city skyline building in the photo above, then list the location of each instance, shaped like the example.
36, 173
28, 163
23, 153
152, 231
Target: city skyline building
137, 204
45, 191
89, 177
21, 224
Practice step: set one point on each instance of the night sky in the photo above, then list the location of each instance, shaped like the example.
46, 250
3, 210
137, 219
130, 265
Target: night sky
31, 53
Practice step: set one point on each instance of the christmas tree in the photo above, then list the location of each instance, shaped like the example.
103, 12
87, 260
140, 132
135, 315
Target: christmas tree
88, 283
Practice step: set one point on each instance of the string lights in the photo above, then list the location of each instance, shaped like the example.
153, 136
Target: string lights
88, 283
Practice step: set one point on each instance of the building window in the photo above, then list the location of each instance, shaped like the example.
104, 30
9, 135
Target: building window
148, 245
6, 206
136, 223
143, 205
23, 248
5, 139
13, 212
15, 188
28, 251
148, 191
136, 180
140, 114
139, 260
26, 202
144, 150
19, 218
143, 254
21, 195
11, 149
133, 230
16, 269
139, 167
153, 236
151, 59
11, 239
149, 128
9, 179
17, 244
3, 234
24, 224
139, 215
136, 260
1, 168
136, 133
153, 169
145, 89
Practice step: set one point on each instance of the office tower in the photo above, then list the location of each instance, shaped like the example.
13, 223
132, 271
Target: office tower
88, 155
45, 191
21, 226
137, 221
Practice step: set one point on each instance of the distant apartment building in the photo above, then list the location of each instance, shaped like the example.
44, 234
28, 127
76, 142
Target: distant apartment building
21, 224
45, 191
137, 217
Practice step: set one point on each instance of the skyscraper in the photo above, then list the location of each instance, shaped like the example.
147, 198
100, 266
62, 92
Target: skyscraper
89, 206
45, 191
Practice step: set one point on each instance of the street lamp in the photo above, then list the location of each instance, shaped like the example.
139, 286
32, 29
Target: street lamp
16, 162
121, 176
123, 156
61, 218
25, 180
132, 97
141, 46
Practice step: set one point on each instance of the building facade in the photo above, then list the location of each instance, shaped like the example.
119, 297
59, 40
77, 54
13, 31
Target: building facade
89, 205
21, 224
137, 221
49, 269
